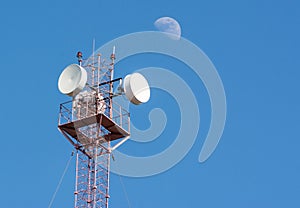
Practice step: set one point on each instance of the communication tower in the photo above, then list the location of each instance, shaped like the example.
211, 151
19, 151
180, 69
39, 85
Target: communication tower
94, 123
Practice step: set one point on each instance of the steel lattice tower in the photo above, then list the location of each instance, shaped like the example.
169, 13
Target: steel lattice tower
95, 125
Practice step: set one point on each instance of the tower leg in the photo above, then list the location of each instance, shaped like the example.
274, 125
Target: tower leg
107, 188
92, 179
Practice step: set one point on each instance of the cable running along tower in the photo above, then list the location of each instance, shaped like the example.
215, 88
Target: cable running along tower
94, 123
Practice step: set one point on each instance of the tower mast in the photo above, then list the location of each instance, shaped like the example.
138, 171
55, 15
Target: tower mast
91, 122
94, 123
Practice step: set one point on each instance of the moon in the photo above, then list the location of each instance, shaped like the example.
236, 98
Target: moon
170, 26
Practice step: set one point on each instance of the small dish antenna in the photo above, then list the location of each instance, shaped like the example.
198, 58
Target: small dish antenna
72, 80
136, 88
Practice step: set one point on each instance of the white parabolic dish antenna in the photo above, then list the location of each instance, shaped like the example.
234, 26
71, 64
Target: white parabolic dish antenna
72, 80
136, 88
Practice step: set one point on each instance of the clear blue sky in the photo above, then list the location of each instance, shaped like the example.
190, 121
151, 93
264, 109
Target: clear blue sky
255, 48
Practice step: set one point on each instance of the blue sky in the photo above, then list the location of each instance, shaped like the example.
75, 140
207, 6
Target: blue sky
254, 46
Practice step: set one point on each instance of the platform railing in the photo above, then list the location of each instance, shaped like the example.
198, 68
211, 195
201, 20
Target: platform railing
65, 113
69, 113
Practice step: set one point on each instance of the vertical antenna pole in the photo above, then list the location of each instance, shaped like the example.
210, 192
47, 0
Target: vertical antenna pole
108, 170
111, 90
76, 180
89, 183
95, 175
113, 57
93, 60
99, 72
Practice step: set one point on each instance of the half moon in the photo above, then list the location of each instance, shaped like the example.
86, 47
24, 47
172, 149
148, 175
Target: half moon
170, 26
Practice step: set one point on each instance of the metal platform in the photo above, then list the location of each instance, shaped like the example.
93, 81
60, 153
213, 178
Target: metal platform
115, 131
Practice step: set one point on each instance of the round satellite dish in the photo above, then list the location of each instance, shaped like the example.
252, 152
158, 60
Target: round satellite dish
136, 88
72, 80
